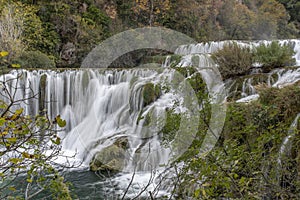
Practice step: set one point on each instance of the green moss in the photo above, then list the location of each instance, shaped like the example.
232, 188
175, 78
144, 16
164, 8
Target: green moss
42, 89
151, 92
185, 71
172, 124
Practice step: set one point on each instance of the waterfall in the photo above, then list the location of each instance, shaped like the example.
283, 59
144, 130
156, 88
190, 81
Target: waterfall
211, 47
286, 148
102, 106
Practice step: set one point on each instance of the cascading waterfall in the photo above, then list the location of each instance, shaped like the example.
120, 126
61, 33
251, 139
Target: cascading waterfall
100, 107
211, 47
276, 78
286, 148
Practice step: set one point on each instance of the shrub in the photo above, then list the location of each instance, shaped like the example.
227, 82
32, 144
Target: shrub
35, 59
285, 100
274, 55
233, 60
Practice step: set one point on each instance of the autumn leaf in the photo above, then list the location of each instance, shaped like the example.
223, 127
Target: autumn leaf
61, 123
15, 65
3, 53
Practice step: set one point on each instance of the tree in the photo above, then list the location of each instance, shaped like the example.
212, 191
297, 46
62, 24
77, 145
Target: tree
151, 12
11, 30
237, 20
28, 142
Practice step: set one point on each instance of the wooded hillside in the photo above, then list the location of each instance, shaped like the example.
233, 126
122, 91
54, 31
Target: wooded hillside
66, 30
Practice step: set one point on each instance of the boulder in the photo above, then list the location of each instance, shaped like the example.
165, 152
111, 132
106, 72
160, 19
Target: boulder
111, 158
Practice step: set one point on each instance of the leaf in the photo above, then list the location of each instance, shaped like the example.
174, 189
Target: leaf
197, 193
14, 160
26, 155
3, 53
4, 133
203, 192
12, 140
206, 184
29, 180
19, 111
12, 188
2, 121
17, 114
57, 141
61, 123
15, 65
3, 105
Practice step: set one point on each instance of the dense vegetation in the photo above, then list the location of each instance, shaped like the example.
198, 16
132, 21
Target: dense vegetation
234, 60
248, 161
67, 30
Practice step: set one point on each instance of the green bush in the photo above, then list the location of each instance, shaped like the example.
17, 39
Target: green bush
233, 60
274, 55
285, 100
35, 59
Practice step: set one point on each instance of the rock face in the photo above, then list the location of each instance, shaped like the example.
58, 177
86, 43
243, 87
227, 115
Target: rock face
68, 54
111, 158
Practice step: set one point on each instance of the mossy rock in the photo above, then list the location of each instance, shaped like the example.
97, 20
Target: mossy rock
171, 126
111, 159
42, 89
151, 93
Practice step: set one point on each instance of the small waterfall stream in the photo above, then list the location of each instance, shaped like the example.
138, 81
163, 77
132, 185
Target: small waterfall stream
286, 146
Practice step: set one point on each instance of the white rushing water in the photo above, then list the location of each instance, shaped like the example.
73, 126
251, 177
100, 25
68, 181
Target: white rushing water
277, 78
101, 107
285, 152
211, 47
286, 146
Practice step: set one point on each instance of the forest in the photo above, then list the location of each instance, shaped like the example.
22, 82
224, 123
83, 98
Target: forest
66, 30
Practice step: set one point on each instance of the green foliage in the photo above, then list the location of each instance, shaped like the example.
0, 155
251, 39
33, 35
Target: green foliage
244, 163
285, 100
274, 55
11, 28
47, 26
35, 59
59, 188
171, 126
94, 16
233, 60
